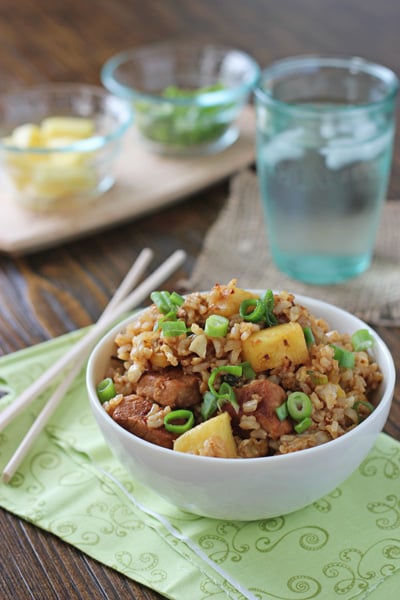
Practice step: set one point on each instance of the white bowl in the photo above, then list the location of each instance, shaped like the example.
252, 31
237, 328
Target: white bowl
246, 489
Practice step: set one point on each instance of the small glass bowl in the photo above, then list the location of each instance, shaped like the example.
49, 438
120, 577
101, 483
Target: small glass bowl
63, 170
186, 96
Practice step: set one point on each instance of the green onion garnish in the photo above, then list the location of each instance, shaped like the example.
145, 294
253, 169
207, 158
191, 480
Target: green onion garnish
299, 406
318, 378
208, 406
255, 310
216, 326
171, 316
247, 370
167, 302
363, 408
168, 305
161, 300
105, 390
308, 336
362, 340
269, 302
303, 425
173, 328
176, 299
179, 415
282, 411
226, 392
236, 370
344, 357
256, 314
181, 125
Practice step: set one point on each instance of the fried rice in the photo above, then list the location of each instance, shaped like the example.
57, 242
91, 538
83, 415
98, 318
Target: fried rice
340, 396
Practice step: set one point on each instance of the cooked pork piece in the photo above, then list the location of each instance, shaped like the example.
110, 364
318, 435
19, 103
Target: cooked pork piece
170, 387
269, 396
132, 414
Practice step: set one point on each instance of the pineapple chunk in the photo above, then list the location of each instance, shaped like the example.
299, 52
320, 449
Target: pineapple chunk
268, 348
54, 181
58, 127
27, 135
225, 300
215, 433
24, 160
65, 158
20, 175
51, 175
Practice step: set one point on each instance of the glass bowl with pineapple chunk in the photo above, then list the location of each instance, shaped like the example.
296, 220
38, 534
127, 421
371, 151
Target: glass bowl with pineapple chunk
59, 142
240, 404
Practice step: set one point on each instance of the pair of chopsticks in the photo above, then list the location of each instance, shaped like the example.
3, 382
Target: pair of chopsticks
74, 359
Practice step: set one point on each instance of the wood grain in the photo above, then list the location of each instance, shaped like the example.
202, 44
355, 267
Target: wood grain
48, 293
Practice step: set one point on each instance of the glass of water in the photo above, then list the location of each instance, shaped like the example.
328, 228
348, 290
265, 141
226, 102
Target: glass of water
325, 129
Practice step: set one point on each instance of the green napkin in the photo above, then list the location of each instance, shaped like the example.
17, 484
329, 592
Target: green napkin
346, 545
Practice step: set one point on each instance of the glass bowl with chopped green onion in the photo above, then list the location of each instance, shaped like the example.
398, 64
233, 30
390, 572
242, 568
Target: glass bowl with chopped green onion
297, 366
186, 96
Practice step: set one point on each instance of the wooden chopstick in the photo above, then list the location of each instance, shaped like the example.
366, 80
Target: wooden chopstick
43, 381
130, 280
78, 353
138, 295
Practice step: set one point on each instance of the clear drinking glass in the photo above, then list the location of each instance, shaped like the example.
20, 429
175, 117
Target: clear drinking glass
325, 129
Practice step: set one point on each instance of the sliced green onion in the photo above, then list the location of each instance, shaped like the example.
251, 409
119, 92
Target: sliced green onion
161, 300
362, 340
318, 378
303, 425
363, 404
308, 336
167, 302
299, 406
105, 390
179, 415
208, 406
226, 391
216, 326
231, 369
227, 394
256, 314
171, 316
176, 299
247, 370
282, 412
344, 357
173, 328
269, 302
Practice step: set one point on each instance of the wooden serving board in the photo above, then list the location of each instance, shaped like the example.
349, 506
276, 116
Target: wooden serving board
145, 182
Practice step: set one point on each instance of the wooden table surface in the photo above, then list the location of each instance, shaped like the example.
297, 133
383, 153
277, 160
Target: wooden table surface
48, 293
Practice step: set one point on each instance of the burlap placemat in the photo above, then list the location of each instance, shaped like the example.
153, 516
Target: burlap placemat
237, 246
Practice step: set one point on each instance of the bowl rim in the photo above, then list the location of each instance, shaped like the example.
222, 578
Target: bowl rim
210, 98
90, 144
384, 403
